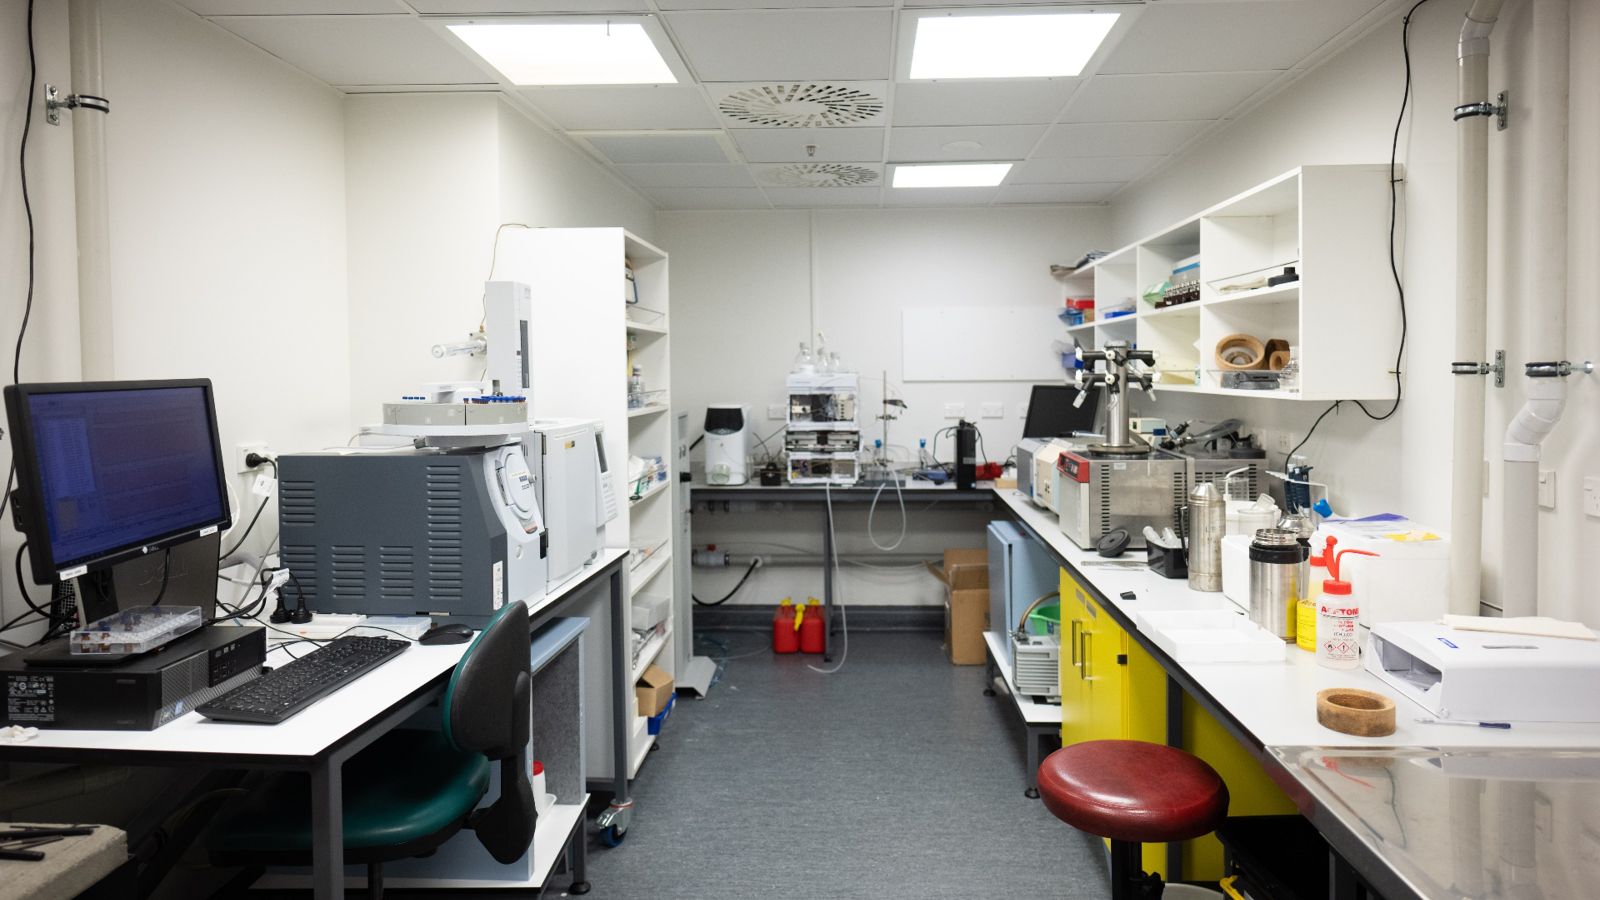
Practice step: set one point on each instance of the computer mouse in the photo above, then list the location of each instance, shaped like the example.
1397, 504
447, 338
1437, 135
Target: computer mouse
453, 633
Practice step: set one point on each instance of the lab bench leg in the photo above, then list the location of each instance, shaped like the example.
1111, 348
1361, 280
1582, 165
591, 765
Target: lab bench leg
327, 831
1036, 737
620, 814
578, 860
827, 583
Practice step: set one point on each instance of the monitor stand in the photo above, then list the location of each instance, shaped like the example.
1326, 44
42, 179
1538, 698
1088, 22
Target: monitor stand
191, 582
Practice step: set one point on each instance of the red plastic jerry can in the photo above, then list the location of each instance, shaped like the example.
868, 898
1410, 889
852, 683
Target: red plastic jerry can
784, 637
812, 627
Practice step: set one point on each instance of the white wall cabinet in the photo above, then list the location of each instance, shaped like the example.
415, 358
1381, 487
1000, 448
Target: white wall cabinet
587, 338
1342, 317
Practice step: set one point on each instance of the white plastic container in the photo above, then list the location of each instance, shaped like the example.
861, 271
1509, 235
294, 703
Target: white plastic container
541, 800
1407, 582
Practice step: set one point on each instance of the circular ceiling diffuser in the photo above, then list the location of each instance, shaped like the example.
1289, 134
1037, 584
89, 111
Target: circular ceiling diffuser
801, 105
820, 175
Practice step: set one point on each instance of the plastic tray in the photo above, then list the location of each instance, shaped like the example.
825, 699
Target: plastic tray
135, 630
1210, 635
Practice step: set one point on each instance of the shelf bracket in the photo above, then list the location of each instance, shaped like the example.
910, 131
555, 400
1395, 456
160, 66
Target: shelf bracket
1498, 368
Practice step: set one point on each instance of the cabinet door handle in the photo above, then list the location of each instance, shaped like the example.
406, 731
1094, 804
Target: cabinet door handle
1076, 625
1085, 654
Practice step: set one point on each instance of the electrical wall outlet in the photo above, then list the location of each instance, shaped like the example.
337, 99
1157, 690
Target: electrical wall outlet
775, 412
243, 450
1285, 442
1547, 488
993, 409
955, 410
1591, 496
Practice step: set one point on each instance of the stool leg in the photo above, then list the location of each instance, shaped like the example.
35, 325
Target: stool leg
1124, 869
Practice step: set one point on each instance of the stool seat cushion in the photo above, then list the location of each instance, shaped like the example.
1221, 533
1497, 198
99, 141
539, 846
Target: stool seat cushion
1133, 791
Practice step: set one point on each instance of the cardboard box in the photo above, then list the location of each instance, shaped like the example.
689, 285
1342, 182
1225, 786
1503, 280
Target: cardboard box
654, 689
965, 575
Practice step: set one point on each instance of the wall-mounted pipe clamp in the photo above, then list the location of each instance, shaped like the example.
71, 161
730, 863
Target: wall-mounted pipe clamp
1500, 109
54, 103
1498, 368
1557, 369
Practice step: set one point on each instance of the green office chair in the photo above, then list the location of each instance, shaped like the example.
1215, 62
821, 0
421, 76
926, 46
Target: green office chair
411, 791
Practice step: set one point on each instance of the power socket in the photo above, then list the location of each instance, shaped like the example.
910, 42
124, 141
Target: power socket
1547, 488
1285, 442
993, 409
955, 410
241, 451
1591, 496
776, 412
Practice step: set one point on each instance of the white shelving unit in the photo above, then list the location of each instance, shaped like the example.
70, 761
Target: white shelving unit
1341, 317
588, 339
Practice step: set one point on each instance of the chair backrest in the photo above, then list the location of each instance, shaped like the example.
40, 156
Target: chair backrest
486, 710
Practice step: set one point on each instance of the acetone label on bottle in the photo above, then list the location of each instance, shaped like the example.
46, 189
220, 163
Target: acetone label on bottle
1337, 632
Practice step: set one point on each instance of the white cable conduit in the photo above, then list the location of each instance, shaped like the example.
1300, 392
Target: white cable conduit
96, 326
1471, 344
1544, 285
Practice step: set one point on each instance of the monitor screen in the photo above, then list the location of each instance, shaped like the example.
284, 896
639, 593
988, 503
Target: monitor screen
1051, 413
111, 470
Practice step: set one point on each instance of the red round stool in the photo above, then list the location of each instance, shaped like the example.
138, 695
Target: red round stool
1133, 793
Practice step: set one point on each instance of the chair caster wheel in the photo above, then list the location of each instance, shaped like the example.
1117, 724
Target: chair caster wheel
578, 888
988, 692
655, 746
1031, 793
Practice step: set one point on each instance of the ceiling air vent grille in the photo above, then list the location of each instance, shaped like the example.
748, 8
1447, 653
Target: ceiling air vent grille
819, 175
801, 105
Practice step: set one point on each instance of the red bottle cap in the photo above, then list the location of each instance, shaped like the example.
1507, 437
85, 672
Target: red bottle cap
538, 767
1336, 587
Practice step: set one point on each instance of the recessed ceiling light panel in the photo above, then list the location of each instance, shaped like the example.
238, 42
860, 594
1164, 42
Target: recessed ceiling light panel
951, 175
532, 52
1031, 45
801, 104
820, 175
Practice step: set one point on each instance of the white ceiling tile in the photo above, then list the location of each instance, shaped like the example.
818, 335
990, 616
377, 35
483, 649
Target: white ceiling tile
777, 45
293, 7
630, 108
359, 49
1163, 98
725, 175
765, 4
491, 7
1055, 193
942, 144
1069, 170
981, 102
789, 144
625, 148
938, 196
1117, 139
1229, 36
708, 198
805, 198
808, 103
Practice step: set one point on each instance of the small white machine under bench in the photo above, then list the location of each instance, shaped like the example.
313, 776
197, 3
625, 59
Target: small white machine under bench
1042, 720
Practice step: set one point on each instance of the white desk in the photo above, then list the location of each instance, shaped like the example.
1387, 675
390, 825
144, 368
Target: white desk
320, 739
1270, 706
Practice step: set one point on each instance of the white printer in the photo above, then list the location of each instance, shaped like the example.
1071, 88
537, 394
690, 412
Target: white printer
1487, 676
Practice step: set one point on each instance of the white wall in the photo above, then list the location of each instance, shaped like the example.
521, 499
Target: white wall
50, 352
226, 172
1342, 112
431, 178
741, 303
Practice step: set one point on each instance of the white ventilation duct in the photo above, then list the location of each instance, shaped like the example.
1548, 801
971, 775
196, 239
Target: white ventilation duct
96, 324
1543, 285
1472, 275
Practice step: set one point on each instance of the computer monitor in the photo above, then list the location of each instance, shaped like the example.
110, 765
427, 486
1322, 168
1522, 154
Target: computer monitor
109, 472
1051, 413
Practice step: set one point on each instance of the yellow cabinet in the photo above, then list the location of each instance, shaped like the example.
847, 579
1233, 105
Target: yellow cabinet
1112, 689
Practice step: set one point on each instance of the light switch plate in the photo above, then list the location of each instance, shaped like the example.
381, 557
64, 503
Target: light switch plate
994, 409
1591, 496
775, 412
955, 410
1547, 488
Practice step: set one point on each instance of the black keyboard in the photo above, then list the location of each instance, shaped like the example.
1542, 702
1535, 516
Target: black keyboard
290, 688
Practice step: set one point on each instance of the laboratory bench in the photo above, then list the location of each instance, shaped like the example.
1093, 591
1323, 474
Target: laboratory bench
827, 495
1269, 709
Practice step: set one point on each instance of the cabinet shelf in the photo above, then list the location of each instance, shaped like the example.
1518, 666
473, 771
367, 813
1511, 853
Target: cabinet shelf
646, 572
1278, 293
647, 655
651, 409
656, 487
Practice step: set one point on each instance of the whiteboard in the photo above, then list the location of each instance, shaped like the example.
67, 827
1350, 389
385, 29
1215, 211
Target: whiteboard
979, 343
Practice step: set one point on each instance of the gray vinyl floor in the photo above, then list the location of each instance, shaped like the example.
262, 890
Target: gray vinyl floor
894, 777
